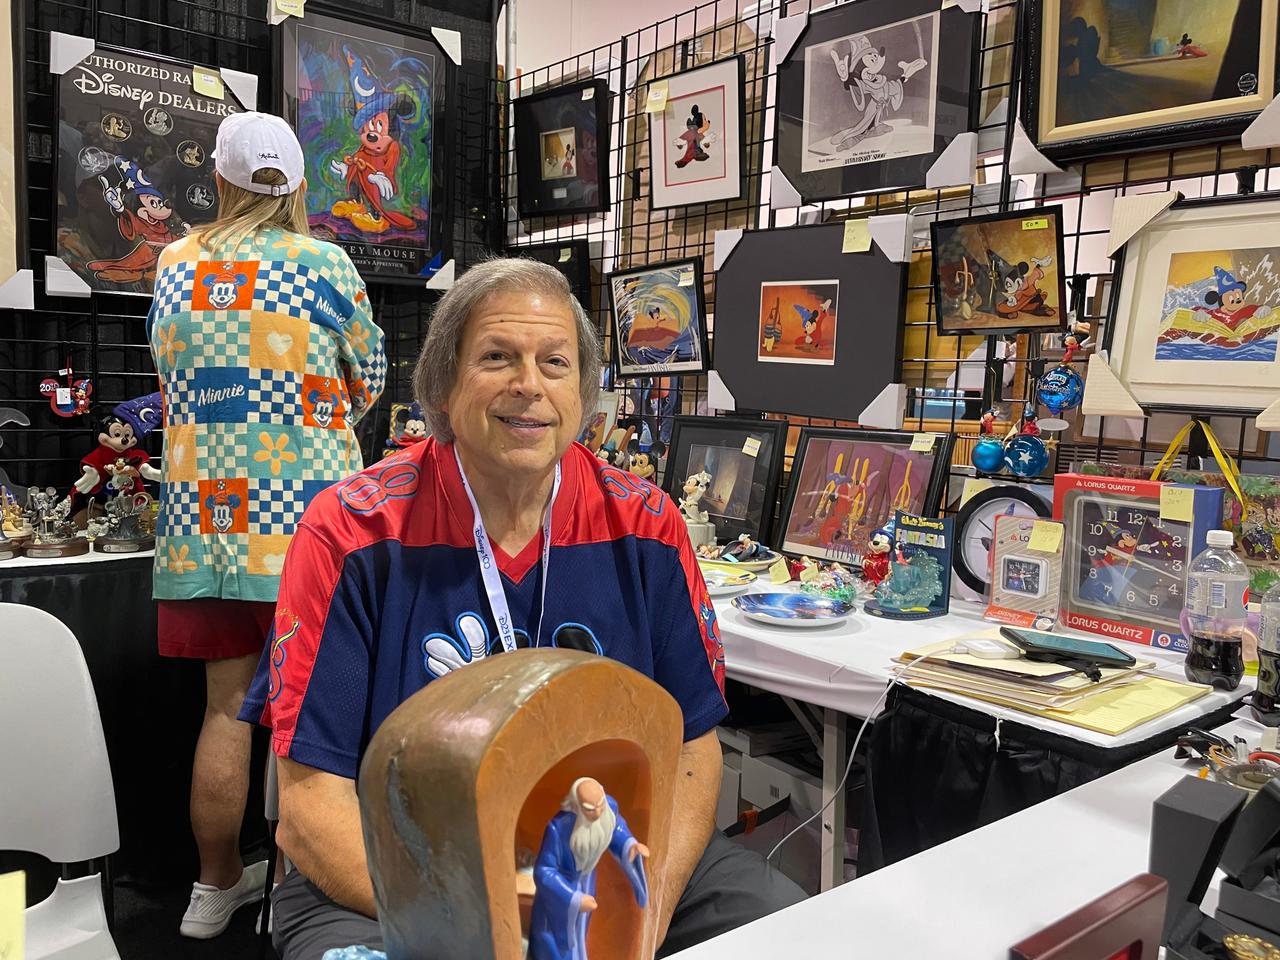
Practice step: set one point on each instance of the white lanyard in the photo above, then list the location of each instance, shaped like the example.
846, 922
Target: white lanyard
489, 566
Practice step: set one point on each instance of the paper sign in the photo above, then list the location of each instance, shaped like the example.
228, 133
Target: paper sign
560, 192
656, 102
778, 571
62, 396
1046, 536
64, 373
207, 83
1041, 224
13, 900
565, 254
857, 236
588, 93
751, 447
1177, 503
285, 8
923, 442
810, 573
686, 279
972, 486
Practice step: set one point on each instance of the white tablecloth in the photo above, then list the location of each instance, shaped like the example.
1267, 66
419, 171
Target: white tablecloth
92, 556
845, 667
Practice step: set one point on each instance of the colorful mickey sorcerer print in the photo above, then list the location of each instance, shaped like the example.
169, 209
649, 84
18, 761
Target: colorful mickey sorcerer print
268, 355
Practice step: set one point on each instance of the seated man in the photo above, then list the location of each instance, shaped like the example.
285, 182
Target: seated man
497, 532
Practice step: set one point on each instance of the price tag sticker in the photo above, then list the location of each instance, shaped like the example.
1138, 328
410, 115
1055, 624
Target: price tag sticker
1041, 223
810, 573
656, 101
207, 83
779, 572
588, 93
565, 254
1177, 503
560, 192
1046, 536
857, 236
923, 442
686, 278
13, 901
751, 447
64, 372
62, 396
287, 8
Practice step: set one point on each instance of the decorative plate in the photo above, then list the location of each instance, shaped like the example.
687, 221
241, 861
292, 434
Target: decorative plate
721, 582
792, 609
763, 562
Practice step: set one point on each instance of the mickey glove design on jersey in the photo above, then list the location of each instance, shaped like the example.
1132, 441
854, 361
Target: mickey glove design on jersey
471, 641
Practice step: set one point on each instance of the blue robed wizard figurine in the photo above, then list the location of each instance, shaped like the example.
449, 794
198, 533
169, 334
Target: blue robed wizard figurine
565, 872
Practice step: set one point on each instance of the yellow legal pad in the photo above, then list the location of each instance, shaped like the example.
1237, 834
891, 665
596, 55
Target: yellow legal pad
13, 898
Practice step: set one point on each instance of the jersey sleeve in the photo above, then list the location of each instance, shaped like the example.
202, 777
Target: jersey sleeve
312, 684
361, 344
689, 658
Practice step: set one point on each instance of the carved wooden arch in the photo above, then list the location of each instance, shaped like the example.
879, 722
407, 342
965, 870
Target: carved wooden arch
477, 763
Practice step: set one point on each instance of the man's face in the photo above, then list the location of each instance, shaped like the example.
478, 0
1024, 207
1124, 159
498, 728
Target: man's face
591, 800
516, 405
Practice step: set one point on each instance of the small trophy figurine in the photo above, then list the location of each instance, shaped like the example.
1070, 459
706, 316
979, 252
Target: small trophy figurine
701, 531
588, 826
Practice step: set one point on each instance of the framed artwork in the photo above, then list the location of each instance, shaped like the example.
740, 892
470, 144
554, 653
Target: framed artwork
133, 165
1000, 273
602, 422
744, 458
1110, 75
562, 150
1199, 307
13, 194
871, 93
369, 107
697, 143
570, 257
847, 484
659, 319
780, 341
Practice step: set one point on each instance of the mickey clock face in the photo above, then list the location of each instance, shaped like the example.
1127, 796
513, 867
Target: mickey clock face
1126, 562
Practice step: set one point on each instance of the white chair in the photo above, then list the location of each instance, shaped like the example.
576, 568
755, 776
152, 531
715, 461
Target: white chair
57, 798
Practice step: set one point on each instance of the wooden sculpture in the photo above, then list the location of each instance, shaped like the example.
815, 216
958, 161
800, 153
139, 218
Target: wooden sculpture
468, 775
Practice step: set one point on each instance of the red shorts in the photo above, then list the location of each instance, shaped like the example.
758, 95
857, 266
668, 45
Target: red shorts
210, 628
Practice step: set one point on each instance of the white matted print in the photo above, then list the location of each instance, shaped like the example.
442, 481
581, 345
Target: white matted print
871, 96
695, 143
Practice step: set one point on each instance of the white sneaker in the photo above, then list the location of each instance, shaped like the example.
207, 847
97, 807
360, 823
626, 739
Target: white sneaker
210, 909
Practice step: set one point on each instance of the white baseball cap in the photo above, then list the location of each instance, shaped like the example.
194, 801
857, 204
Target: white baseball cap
249, 142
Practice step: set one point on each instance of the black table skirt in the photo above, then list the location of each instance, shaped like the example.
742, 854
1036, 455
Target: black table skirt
151, 707
935, 772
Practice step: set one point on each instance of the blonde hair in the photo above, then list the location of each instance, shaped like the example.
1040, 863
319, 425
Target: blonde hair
242, 212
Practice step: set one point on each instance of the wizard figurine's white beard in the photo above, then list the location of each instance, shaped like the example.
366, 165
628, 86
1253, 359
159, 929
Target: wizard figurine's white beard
589, 840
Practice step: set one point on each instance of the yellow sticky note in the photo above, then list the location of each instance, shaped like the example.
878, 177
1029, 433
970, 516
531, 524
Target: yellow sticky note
973, 486
1177, 503
565, 254
207, 83
751, 447
287, 8
857, 236
656, 101
686, 278
1046, 536
13, 900
778, 571
923, 442
810, 573
1040, 224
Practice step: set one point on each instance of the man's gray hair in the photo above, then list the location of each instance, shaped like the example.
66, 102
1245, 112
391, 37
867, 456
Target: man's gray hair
437, 368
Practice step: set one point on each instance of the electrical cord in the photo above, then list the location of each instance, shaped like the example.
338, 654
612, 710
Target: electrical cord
853, 753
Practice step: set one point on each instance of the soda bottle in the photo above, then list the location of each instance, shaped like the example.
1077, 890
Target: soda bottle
1217, 590
1266, 699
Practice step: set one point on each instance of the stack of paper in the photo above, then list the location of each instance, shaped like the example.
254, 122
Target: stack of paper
1123, 699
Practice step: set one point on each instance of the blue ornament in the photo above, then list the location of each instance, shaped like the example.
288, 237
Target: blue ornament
1060, 389
988, 454
1026, 455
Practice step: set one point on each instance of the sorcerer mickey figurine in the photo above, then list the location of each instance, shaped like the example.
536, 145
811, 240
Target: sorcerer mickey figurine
587, 826
875, 563
119, 434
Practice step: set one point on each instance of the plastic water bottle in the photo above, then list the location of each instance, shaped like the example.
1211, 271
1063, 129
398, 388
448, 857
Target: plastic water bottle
1217, 590
1266, 699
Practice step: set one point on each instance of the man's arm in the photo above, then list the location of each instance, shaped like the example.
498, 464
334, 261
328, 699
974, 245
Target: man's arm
320, 832
697, 789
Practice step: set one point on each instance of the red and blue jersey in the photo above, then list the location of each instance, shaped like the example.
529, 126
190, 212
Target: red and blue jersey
381, 593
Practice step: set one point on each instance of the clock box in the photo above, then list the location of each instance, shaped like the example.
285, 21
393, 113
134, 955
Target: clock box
1125, 565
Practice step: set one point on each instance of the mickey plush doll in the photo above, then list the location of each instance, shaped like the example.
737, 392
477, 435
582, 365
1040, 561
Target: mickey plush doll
119, 434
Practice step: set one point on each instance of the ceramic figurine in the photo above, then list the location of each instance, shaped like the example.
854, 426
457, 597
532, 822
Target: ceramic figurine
119, 434
837, 582
875, 563
409, 426
13, 523
125, 524
54, 535
588, 825
707, 551
988, 452
644, 461
701, 530
744, 549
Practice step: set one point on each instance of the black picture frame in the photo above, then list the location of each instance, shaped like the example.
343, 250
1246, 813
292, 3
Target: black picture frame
657, 149
958, 36
732, 434
882, 494
84, 223
17, 203
396, 252
572, 258
1153, 134
584, 109
668, 294
982, 283
861, 364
